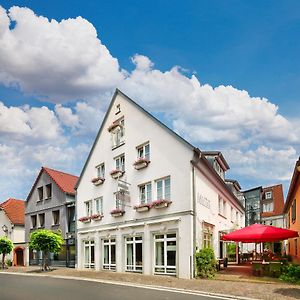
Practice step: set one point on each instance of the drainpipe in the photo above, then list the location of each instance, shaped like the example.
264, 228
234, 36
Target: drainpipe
194, 221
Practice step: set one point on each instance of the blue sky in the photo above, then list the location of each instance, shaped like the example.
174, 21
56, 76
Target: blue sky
203, 54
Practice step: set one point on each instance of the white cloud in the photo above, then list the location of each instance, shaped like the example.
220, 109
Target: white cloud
54, 60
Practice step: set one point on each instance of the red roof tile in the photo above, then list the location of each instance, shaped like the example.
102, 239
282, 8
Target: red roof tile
15, 210
66, 182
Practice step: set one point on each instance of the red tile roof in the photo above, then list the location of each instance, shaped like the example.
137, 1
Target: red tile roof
15, 210
66, 182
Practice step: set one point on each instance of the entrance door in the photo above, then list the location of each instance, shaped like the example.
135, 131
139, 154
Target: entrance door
20, 257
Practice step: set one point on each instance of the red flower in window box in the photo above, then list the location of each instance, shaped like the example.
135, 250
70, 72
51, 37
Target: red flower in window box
84, 219
96, 217
117, 212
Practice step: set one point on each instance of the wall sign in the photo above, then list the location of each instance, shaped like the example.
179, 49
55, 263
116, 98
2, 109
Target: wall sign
202, 200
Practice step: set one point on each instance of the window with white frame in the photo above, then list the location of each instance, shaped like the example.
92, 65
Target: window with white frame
89, 254
98, 205
268, 207
220, 206
134, 253
109, 254
268, 195
120, 163
100, 171
88, 208
224, 208
119, 203
163, 188
165, 253
207, 236
145, 193
118, 134
144, 151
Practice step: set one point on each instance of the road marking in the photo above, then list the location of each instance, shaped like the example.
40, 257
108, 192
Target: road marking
134, 285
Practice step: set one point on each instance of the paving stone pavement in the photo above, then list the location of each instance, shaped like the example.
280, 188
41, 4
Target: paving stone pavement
229, 284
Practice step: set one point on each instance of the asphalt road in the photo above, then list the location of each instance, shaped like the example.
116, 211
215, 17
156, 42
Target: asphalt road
16, 287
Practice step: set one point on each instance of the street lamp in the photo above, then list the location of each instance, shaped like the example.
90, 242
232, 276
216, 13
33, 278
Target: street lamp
5, 229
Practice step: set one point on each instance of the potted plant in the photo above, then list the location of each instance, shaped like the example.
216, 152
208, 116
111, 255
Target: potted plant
142, 207
117, 212
85, 219
96, 217
160, 203
116, 173
97, 180
141, 163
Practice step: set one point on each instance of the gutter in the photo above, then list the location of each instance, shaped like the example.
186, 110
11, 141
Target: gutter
194, 223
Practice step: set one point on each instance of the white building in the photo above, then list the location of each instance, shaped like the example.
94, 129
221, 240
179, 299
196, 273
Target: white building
147, 199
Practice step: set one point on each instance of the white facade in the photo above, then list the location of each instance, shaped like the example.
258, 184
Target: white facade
159, 240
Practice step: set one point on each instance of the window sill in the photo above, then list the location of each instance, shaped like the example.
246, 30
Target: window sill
222, 216
117, 146
49, 198
39, 201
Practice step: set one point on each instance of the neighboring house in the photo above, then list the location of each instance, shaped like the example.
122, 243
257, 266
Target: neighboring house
12, 213
147, 199
51, 205
236, 189
292, 211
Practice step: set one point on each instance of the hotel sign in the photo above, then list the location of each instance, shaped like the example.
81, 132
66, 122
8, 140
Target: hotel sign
202, 200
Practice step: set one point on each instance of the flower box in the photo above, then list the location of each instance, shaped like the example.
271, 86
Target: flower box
161, 203
113, 126
85, 219
117, 213
116, 174
142, 207
141, 163
96, 217
97, 180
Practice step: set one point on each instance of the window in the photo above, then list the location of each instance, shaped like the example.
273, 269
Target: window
101, 171
119, 203
88, 208
55, 215
237, 217
163, 189
289, 220
42, 220
49, 190
294, 211
145, 193
99, 205
134, 253
220, 206
109, 254
231, 214
268, 207
33, 221
40, 193
89, 254
118, 134
268, 195
207, 236
71, 219
144, 151
224, 208
120, 163
165, 253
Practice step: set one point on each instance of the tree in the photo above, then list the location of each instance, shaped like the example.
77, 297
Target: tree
6, 247
46, 241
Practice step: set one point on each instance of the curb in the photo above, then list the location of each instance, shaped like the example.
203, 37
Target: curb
135, 285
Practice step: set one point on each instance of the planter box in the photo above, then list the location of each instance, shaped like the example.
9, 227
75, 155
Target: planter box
162, 205
97, 218
117, 214
143, 208
99, 181
85, 220
116, 175
141, 165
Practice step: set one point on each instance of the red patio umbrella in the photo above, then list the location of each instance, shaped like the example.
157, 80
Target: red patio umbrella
258, 233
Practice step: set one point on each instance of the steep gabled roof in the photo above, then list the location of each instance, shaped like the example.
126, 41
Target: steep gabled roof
15, 210
118, 92
65, 182
292, 186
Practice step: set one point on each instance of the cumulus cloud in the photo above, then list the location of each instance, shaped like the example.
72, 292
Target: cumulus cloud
54, 60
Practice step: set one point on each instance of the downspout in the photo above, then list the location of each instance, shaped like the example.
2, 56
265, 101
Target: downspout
194, 221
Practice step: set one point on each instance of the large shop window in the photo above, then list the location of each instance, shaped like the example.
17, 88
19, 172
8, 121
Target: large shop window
89, 254
109, 254
134, 254
165, 253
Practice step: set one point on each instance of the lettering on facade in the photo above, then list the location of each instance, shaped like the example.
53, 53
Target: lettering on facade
202, 200
122, 193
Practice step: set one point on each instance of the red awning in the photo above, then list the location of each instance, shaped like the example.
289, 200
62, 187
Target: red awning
258, 233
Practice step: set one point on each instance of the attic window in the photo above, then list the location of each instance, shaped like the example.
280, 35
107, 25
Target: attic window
49, 190
268, 195
40, 193
118, 109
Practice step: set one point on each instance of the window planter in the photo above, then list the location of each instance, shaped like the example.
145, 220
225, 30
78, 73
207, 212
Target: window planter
85, 219
141, 163
114, 126
117, 213
96, 217
161, 203
142, 207
97, 180
116, 174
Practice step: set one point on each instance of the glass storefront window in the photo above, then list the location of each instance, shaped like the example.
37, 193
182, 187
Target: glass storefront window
134, 253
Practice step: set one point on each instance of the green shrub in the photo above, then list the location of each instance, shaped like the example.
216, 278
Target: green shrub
8, 262
291, 273
206, 263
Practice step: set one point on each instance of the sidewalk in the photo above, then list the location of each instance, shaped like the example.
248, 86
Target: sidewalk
223, 284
